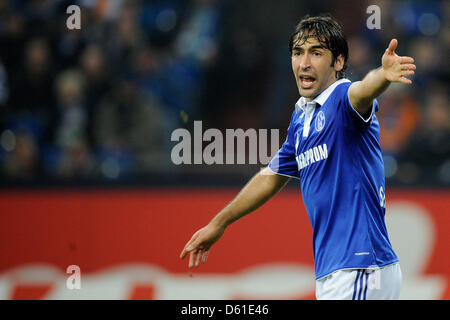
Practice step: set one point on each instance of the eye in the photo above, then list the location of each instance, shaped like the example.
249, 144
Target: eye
317, 54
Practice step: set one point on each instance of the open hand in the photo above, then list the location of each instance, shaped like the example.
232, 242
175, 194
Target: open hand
397, 68
200, 244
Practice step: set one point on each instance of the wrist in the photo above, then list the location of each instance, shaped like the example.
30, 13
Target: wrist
220, 222
384, 75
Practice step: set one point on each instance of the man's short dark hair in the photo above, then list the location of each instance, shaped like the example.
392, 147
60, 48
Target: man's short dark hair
329, 34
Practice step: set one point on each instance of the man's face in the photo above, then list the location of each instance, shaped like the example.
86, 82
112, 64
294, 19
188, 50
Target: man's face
311, 63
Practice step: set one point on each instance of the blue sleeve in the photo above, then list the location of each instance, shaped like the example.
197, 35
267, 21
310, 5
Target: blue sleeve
284, 162
349, 115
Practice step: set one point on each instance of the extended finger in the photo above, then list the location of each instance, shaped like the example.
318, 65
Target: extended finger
392, 46
198, 257
190, 245
407, 72
407, 60
205, 256
408, 66
192, 257
405, 80
185, 251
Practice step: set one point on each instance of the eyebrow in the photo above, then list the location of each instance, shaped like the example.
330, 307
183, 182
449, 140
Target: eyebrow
311, 48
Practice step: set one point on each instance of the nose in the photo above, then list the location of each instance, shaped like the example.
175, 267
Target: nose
305, 62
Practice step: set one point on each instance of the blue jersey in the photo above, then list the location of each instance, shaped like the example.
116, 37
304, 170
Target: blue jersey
336, 155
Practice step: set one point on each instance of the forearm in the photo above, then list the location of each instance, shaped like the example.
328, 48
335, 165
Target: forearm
362, 93
256, 192
373, 84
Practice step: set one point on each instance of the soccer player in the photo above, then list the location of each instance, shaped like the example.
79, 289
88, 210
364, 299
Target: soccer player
333, 148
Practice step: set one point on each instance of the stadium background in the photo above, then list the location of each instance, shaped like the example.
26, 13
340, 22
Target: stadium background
85, 123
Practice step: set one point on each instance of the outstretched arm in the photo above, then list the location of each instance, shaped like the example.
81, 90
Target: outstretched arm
393, 69
256, 192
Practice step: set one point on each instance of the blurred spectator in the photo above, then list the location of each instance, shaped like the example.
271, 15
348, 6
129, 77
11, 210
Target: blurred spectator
128, 122
32, 81
22, 160
97, 82
427, 155
124, 38
197, 39
361, 58
76, 162
72, 111
68, 45
428, 59
71, 132
13, 35
399, 116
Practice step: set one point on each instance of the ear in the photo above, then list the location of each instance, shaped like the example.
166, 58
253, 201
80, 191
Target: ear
339, 63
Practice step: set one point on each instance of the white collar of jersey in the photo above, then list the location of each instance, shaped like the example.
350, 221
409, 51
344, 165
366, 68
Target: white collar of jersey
321, 98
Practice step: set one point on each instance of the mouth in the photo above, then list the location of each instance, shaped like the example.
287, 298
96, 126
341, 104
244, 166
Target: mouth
307, 81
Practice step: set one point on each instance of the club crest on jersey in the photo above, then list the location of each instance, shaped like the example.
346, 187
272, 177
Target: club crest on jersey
320, 121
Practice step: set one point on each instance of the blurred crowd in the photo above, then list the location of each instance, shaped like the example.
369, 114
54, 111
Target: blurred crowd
414, 120
100, 103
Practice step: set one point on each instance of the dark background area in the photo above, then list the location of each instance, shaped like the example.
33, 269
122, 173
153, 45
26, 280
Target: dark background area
97, 106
